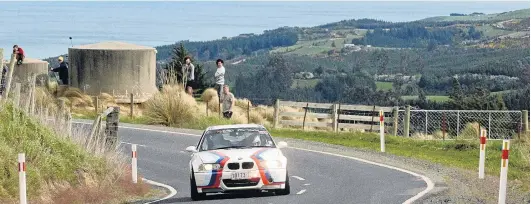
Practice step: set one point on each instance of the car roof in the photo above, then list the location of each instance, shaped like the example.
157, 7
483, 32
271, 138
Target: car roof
218, 127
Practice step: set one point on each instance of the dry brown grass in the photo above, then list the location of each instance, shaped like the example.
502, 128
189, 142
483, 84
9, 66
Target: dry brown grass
243, 103
108, 192
171, 107
209, 95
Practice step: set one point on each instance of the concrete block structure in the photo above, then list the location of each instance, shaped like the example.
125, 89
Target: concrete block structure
22, 73
116, 68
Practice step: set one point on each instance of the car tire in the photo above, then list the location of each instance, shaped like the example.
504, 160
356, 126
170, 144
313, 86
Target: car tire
193, 190
286, 190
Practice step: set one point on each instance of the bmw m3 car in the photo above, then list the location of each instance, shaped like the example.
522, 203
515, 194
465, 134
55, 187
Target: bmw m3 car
237, 157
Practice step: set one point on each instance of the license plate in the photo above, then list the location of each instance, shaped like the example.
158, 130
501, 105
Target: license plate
240, 175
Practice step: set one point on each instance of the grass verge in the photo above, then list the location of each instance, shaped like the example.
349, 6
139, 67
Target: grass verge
455, 153
59, 168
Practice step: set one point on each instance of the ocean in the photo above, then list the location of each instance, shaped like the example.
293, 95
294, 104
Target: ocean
43, 28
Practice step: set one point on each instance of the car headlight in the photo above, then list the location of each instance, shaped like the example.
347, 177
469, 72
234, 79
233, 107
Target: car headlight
272, 164
209, 167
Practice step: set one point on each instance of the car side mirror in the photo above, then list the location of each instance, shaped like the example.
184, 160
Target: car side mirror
282, 145
191, 149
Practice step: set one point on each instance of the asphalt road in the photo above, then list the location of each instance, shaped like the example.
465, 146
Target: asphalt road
315, 177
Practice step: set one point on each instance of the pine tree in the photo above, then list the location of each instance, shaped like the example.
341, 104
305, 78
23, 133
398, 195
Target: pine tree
457, 95
174, 68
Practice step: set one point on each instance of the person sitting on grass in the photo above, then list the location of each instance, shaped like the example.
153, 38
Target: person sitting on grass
228, 102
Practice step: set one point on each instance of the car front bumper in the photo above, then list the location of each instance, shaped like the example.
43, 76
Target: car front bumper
212, 182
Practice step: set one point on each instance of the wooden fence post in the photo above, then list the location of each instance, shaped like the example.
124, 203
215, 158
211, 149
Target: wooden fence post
9, 77
97, 105
338, 116
248, 112
276, 113
372, 116
407, 120
304, 119
111, 129
17, 94
395, 121
33, 92
525, 115
132, 103
334, 117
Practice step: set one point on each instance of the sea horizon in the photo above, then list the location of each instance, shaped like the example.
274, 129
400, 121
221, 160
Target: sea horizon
43, 28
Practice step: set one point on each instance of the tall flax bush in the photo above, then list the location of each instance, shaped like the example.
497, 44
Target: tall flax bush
171, 107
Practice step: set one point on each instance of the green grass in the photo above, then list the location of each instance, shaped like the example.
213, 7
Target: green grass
490, 31
455, 153
431, 98
384, 86
305, 83
523, 13
48, 157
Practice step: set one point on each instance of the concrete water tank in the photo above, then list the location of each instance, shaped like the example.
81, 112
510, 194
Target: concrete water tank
115, 68
22, 73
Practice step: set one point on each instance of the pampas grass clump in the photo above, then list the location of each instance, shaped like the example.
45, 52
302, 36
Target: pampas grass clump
171, 107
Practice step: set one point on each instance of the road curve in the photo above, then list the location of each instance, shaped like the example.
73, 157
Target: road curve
315, 177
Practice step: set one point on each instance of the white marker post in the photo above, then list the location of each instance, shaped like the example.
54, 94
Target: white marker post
133, 163
482, 149
382, 137
503, 172
22, 177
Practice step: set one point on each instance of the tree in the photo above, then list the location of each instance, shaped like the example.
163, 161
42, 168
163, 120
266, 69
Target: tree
200, 82
457, 96
319, 70
174, 68
334, 43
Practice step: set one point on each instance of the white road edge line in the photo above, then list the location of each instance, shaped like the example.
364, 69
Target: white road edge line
430, 184
301, 192
300, 178
132, 143
173, 192
410, 200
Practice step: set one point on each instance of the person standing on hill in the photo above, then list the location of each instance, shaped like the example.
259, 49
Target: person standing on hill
228, 102
188, 70
63, 71
220, 78
20, 54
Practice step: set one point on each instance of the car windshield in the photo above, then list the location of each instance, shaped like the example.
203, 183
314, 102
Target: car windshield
236, 138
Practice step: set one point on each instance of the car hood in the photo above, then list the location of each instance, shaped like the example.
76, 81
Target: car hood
215, 156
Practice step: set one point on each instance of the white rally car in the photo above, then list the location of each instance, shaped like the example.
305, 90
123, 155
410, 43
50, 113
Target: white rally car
237, 157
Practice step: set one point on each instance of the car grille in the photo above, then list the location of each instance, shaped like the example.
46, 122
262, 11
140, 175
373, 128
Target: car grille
240, 183
233, 166
247, 165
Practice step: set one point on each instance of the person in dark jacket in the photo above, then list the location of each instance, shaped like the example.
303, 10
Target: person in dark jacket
63, 71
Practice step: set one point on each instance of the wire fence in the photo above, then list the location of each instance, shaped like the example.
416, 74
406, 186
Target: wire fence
463, 124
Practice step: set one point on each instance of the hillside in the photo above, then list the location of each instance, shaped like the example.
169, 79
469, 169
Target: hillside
487, 52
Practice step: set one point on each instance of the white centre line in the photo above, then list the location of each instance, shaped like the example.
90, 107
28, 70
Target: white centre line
306, 184
300, 178
301, 192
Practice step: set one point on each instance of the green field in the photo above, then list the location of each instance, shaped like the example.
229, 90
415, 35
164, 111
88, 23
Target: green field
431, 98
384, 86
320, 46
523, 13
304, 83
490, 31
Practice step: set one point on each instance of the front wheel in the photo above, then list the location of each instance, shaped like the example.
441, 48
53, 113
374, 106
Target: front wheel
193, 190
286, 190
